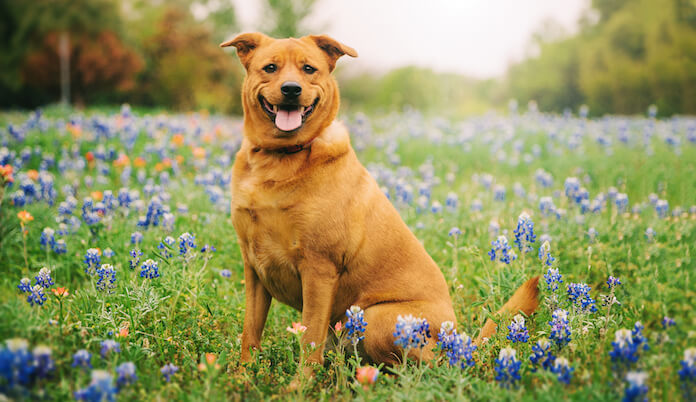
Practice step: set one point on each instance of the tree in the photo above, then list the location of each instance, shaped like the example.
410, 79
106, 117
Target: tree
285, 17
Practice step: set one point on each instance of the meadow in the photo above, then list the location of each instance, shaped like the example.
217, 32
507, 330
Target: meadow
122, 277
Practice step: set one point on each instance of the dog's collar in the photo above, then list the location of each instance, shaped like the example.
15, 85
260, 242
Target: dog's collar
292, 149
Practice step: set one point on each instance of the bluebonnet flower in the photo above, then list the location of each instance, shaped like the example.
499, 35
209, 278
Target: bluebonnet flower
24, 285
452, 201
136, 238
524, 233
457, 347
355, 324
60, 247
621, 202
571, 186
16, 362
613, 282
561, 367
107, 277
545, 254
43, 278
560, 328
687, 374
494, 228
542, 355
476, 205
149, 269
108, 253
47, 238
100, 389
92, 260
43, 362
502, 251
135, 258
126, 374
226, 273
592, 235
668, 322
208, 249
411, 332
186, 243
168, 370
436, 207
507, 367
36, 296
155, 211
518, 330
82, 358
579, 295
624, 351
636, 388
168, 221
455, 232
662, 207
109, 346
499, 192
639, 340
650, 235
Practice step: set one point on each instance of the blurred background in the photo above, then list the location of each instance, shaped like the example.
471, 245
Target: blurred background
450, 58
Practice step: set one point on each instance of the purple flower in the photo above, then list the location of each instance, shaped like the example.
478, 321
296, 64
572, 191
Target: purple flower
518, 330
168, 370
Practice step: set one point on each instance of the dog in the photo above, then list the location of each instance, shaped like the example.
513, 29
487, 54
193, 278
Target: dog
314, 228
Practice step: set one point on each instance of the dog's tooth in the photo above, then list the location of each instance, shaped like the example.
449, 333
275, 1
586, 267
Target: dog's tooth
275, 108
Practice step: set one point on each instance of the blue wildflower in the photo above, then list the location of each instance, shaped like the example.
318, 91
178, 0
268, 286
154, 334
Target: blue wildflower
457, 347
60, 247
226, 273
542, 355
662, 207
24, 285
518, 330
624, 351
149, 269
108, 253
355, 324
47, 238
501, 251
36, 296
109, 346
208, 249
579, 295
43, 362
524, 233
613, 282
168, 370
126, 374
552, 277
136, 238
107, 277
650, 235
687, 374
545, 254
507, 368
560, 328
135, 258
92, 260
638, 338
82, 358
561, 367
592, 235
411, 332
455, 232
43, 278
186, 243
499, 192
668, 322
100, 389
636, 388
16, 362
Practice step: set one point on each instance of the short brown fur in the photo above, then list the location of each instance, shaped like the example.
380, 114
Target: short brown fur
315, 230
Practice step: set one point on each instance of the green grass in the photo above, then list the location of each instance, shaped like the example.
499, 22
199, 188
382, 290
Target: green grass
192, 309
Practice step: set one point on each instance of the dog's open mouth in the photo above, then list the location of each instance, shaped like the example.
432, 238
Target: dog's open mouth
287, 117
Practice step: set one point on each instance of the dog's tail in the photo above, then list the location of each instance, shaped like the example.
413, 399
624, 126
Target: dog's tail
525, 299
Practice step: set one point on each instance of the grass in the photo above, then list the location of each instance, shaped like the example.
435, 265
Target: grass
196, 306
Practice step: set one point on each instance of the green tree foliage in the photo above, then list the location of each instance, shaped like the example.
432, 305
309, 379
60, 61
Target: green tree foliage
639, 52
285, 17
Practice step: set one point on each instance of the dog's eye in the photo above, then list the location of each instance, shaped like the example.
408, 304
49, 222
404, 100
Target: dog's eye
309, 69
271, 68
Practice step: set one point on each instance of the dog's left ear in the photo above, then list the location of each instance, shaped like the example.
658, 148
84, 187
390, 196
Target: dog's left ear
333, 48
246, 43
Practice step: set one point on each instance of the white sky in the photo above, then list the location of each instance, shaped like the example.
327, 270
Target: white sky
479, 38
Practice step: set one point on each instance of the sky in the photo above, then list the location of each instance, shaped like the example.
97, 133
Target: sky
479, 38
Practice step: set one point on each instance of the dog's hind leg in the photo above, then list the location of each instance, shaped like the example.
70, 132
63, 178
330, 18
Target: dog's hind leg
525, 299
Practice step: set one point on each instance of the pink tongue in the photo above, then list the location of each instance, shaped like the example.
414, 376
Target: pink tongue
288, 120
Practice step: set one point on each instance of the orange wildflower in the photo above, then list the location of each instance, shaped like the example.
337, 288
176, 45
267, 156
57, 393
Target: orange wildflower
25, 217
97, 195
61, 292
33, 174
139, 162
178, 140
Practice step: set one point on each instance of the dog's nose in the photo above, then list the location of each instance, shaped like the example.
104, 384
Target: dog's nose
291, 89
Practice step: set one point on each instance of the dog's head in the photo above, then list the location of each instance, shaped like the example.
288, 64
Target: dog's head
289, 94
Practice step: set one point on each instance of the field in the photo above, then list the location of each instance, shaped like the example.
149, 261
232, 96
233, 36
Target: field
608, 198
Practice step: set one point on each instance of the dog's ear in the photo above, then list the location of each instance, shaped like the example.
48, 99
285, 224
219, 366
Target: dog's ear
333, 48
246, 43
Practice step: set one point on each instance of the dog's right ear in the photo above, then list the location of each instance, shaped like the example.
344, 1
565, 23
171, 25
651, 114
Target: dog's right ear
246, 43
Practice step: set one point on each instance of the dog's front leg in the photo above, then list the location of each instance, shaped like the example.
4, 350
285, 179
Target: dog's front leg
319, 286
258, 300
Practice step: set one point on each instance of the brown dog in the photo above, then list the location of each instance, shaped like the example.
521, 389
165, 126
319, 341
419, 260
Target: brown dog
315, 230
